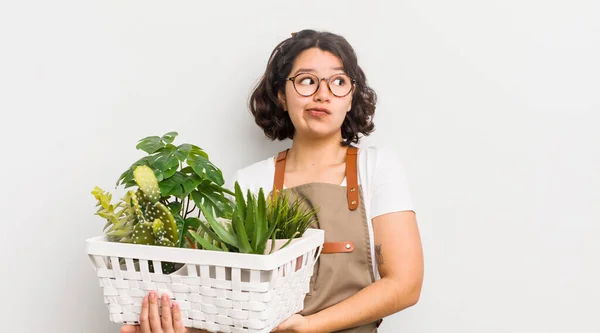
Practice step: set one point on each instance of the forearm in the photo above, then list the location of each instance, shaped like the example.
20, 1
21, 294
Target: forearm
378, 300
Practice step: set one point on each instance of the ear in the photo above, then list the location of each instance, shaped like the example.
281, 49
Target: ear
350, 104
282, 100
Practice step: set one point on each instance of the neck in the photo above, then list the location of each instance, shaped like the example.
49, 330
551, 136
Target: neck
310, 154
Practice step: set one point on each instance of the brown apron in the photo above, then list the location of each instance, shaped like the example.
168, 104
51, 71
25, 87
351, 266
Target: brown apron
345, 264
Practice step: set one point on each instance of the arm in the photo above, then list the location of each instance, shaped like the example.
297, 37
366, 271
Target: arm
400, 257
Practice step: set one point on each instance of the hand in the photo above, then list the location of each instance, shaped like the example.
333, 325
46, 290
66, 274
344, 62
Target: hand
151, 322
294, 324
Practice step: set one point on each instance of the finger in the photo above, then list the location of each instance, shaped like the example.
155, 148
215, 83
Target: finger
129, 329
167, 323
144, 323
153, 316
177, 321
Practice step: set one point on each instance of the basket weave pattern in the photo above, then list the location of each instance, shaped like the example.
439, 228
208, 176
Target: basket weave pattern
218, 292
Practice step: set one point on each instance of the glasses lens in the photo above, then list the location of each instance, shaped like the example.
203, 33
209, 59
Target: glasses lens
306, 84
340, 84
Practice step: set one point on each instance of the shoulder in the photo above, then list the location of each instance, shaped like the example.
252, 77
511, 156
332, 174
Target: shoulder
379, 157
254, 176
387, 186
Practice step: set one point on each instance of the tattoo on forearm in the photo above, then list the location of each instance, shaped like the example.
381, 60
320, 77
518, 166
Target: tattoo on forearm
378, 254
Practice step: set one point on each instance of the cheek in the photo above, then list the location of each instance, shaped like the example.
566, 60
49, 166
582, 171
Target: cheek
295, 103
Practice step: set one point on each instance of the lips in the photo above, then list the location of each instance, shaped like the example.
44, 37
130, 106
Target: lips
319, 110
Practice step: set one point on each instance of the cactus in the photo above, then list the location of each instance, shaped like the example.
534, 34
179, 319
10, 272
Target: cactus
140, 218
147, 182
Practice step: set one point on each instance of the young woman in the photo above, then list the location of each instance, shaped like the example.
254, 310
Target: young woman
315, 93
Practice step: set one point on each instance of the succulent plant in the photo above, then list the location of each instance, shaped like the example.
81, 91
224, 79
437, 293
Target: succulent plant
255, 220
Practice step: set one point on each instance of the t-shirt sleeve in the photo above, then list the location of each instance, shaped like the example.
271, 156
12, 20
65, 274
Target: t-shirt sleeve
389, 185
230, 184
252, 178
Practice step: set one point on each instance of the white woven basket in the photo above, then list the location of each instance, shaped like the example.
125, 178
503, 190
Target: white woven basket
217, 291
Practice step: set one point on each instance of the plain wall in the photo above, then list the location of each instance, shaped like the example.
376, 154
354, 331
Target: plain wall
492, 105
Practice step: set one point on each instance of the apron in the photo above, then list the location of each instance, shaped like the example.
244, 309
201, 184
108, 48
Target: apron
345, 264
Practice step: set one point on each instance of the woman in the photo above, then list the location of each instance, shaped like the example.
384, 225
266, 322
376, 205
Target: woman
371, 266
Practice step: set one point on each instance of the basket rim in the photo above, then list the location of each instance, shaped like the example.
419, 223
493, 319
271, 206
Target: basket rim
311, 239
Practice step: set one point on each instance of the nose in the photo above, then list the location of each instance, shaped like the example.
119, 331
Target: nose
323, 93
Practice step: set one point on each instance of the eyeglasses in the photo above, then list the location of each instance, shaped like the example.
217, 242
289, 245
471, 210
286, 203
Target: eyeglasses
307, 84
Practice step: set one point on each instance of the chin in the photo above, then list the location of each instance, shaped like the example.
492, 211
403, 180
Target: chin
317, 134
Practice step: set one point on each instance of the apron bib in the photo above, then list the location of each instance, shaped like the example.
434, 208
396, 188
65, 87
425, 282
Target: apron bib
344, 267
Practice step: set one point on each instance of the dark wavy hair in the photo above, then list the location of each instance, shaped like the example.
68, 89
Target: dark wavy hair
266, 106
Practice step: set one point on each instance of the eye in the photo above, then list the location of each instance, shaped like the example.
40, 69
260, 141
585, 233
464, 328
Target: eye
306, 80
339, 81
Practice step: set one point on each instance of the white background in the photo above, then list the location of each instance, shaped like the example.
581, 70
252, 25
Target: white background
492, 105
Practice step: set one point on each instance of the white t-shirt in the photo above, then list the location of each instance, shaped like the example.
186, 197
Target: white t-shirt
381, 175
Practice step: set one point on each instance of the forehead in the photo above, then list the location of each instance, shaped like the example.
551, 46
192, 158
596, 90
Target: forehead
318, 60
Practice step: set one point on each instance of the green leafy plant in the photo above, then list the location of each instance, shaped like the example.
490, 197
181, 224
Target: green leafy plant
186, 178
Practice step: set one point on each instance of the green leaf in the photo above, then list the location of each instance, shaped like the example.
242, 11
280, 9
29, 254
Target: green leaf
130, 184
179, 185
175, 208
169, 137
170, 172
197, 151
278, 209
260, 224
159, 175
182, 152
150, 144
221, 232
210, 195
165, 159
204, 243
240, 201
185, 226
193, 223
273, 243
125, 177
250, 216
206, 169
240, 230
172, 185
209, 231
289, 240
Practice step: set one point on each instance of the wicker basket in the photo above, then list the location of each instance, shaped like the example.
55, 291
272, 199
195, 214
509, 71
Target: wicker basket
217, 291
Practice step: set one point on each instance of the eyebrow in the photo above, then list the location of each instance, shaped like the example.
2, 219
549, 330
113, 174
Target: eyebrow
310, 70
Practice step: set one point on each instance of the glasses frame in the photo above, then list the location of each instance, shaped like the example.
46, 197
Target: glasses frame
293, 79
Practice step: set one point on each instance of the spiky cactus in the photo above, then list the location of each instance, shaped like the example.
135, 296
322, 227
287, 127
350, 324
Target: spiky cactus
140, 218
156, 224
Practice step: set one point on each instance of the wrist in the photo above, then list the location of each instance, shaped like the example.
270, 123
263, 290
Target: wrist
312, 325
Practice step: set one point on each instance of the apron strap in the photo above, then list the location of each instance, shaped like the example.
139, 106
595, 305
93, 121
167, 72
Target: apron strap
337, 247
351, 175
279, 171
